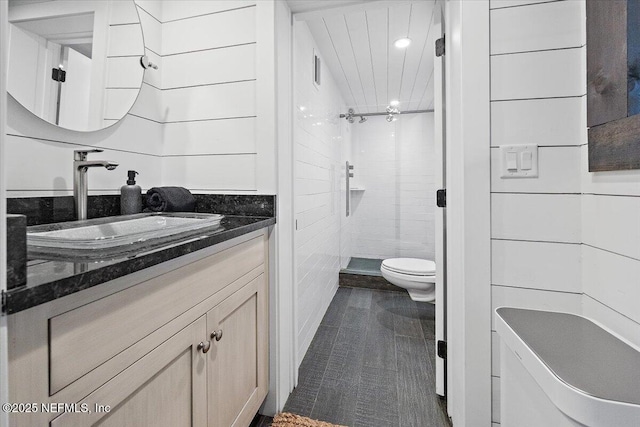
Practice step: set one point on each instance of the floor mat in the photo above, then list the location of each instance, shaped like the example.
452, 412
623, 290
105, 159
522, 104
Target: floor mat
287, 419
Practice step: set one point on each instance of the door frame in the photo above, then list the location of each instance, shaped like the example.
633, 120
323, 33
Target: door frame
4, 340
468, 178
441, 213
282, 297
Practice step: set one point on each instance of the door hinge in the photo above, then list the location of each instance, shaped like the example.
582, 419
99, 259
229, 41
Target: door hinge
441, 198
3, 302
442, 349
440, 47
58, 75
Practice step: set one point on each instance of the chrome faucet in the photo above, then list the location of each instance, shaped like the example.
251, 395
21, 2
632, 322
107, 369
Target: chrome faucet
80, 187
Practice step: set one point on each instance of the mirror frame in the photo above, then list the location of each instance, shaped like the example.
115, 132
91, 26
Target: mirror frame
614, 135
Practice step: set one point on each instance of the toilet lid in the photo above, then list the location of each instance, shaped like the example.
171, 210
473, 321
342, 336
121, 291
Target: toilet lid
414, 266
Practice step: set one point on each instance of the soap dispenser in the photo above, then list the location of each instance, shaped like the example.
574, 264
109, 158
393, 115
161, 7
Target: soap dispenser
131, 196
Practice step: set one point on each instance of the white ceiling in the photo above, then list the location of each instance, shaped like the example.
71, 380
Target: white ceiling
75, 31
57, 28
22, 2
356, 43
298, 6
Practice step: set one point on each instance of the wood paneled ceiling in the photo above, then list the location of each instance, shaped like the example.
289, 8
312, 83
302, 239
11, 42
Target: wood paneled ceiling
298, 6
357, 44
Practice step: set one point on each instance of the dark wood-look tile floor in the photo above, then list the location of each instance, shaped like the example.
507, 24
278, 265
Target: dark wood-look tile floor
261, 421
371, 363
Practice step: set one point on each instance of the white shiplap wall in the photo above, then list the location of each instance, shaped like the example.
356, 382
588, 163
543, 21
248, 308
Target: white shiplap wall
537, 97
611, 250
394, 164
40, 155
321, 146
213, 75
204, 120
122, 71
209, 95
569, 240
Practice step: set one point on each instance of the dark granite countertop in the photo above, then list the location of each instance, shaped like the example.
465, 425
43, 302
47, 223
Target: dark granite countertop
48, 280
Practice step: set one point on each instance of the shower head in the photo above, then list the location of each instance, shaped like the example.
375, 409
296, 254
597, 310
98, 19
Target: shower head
362, 119
349, 115
392, 112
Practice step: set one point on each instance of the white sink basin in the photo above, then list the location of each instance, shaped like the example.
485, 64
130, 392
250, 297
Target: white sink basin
117, 232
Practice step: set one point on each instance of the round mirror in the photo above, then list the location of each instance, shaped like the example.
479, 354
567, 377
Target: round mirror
75, 64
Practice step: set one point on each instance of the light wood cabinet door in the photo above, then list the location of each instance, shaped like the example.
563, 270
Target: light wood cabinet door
237, 368
167, 387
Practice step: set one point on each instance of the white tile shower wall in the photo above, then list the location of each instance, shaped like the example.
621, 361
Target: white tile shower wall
346, 222
536, 231
394, 164
321, 144
40, 154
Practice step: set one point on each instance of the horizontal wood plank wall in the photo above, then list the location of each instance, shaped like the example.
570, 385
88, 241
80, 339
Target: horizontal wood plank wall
209, 95
194, 122
537, 97
611, 255
123, 71
40, 155
545, 254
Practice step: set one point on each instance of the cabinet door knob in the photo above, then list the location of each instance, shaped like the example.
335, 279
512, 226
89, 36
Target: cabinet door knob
216, 335
204, 346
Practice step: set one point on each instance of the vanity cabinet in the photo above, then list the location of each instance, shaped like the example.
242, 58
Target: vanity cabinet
185, 346
167, 387
237, 363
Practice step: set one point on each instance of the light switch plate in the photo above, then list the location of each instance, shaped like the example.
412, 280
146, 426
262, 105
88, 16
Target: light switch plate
506, 161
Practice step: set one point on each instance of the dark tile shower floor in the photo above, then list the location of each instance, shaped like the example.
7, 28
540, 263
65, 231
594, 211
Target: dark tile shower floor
371, 363
364, 266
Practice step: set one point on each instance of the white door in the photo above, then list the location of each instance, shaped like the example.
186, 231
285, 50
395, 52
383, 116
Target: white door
76, 91
440, 220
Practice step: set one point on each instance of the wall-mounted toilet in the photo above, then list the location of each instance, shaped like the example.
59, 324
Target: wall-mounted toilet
417, 276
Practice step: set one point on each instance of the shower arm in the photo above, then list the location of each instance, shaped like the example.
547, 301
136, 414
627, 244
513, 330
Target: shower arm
345, 116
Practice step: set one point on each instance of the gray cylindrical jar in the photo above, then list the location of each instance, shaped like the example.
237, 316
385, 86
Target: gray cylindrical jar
131, 196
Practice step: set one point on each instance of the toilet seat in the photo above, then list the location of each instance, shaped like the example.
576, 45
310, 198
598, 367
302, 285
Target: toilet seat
410, 266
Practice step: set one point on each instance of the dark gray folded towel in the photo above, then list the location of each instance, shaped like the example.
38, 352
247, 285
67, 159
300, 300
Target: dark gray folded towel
170, 199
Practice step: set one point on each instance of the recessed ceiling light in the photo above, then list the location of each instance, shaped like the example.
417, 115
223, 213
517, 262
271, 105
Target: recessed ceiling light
402, 43
394, 103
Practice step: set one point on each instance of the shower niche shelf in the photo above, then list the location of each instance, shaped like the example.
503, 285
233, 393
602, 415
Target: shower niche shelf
356, 189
